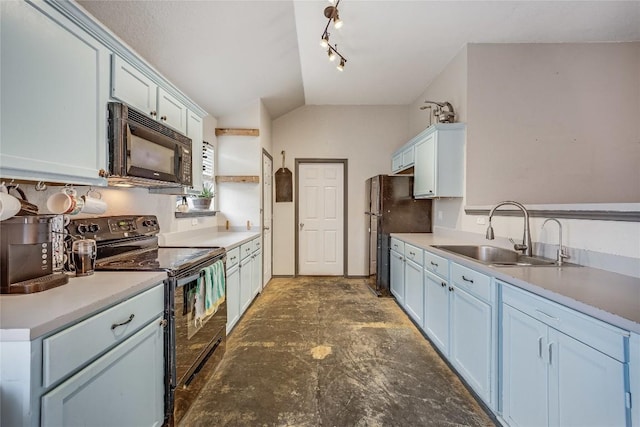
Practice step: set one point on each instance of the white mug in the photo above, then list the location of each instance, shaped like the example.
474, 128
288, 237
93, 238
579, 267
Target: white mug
9, 206
93, 205
65, 202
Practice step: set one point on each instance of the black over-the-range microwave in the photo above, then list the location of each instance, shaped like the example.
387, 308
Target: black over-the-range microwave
144, 152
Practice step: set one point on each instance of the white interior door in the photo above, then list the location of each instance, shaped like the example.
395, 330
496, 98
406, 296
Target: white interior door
321, 219
267, 216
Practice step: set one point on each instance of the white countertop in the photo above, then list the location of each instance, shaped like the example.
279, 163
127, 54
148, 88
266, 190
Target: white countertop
610, 297
208, 238
29, 316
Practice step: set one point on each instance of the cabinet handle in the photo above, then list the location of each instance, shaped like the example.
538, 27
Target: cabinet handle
163, 118
163, 323
546, 315
434, 264
467, 280
540, 347
411, 253
450, 288
550, 349
444, 285
153, 114
115, 325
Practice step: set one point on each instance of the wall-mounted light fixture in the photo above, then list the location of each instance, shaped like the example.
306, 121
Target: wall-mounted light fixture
332, 14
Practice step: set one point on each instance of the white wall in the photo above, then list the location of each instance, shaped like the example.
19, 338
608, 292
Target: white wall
239, 203
603, 244
365, 135
554, 123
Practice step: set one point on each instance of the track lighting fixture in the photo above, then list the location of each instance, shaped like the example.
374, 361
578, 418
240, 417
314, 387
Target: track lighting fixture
331, 13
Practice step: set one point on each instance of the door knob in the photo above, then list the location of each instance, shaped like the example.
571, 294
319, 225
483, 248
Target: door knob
301, 226
266, 228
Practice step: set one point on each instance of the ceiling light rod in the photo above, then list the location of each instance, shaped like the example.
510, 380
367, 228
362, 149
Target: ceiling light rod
335, 50
331, 12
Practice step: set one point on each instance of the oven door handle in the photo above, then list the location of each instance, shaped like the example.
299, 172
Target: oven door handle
189, 279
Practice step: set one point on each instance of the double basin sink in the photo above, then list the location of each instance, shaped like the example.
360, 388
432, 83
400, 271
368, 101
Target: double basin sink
497, 257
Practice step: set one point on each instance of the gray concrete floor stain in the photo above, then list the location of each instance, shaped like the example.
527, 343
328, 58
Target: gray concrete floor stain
320, 351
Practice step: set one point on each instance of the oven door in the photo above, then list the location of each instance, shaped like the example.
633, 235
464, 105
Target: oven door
200, 326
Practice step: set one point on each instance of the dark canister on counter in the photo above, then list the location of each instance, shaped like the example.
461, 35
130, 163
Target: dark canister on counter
83, 254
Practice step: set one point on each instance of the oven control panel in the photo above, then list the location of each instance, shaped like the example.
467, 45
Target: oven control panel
114, 227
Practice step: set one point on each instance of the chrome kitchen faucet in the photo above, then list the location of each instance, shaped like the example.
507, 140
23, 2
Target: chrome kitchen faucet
526, 246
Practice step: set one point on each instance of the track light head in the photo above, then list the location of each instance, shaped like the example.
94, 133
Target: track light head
332, 54
340, 66
337, 22
324, 41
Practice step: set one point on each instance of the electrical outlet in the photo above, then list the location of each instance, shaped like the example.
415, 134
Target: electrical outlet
194, 221
481, 221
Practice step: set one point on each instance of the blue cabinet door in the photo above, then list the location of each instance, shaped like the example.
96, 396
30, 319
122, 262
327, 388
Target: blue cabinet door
586, 387
414, 292
524, 369
54, 79
472, 341
124, 387
436, 321
246, 296
397, 276
233, 297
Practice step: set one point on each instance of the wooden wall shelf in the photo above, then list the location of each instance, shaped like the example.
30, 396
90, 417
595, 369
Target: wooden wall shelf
250, 179
237, 132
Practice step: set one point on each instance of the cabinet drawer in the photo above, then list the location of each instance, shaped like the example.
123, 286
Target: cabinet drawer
413, 253
473, 282
73, 347
597, 334
436, 264
397, 245
233, 257
246, 249
257, 244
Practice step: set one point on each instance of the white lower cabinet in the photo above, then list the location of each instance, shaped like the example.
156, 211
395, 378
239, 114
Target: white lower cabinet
436, 303
414, 291
396, 281
233, 297
256, 273
532, 361
107, 369
473, 323
553, 379
124, 387
244, 279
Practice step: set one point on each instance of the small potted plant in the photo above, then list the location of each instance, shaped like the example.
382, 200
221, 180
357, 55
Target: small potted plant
203, 200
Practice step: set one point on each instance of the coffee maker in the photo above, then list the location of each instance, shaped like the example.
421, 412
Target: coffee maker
25, 255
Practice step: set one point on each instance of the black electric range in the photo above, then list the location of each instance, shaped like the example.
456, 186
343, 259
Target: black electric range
194, 344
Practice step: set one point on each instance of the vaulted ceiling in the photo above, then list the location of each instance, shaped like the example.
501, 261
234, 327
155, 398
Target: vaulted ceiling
226, 54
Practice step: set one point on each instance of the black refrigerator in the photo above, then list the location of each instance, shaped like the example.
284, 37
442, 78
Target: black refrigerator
391, 208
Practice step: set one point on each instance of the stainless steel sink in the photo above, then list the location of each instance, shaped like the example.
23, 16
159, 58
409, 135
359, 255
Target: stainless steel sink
498, 257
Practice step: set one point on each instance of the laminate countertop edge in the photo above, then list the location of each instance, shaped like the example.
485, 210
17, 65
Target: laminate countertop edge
29, 316
611, 297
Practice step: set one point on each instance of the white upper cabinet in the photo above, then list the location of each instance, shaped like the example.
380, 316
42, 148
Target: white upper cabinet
403, 159
55, 88
439, 161
195, 131
135, 88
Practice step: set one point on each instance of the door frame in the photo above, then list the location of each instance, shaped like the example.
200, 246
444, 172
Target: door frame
345, 209
265, 153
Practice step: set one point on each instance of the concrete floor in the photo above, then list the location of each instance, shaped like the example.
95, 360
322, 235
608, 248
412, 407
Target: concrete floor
326, 352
